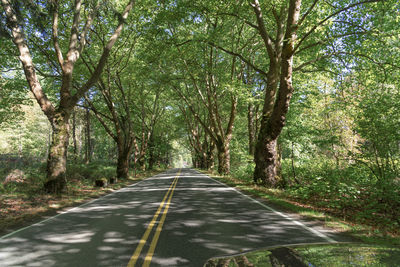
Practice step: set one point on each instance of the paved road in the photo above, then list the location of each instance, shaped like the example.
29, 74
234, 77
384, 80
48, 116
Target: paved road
178, 218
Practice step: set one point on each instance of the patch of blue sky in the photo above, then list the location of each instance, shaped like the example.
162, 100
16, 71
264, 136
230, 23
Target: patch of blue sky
196, 18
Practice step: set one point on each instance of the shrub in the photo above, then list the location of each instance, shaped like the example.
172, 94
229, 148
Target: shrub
102, 182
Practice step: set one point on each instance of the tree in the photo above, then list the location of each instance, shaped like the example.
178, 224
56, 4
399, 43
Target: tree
111, 103
211, 95
279, 87
202, 145
59, 115
277, 30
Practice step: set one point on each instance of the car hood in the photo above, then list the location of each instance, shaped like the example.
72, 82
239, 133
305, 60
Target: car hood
310, 255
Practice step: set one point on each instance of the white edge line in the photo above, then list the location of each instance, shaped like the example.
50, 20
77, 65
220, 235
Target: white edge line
69, 210
315, 232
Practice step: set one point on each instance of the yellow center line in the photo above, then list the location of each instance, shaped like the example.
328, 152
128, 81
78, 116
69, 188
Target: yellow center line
154, 241
143, 241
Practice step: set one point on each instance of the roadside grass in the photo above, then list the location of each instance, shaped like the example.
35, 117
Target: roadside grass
340, 222
23, 202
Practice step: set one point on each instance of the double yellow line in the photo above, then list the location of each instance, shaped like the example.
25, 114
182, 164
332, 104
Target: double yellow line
165, 202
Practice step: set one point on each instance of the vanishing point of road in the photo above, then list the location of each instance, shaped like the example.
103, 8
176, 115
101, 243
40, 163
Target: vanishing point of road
178, 218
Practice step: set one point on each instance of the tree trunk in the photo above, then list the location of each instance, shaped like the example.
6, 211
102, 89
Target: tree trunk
166, 158
203, 161
142, 162
123, 163
57, 158
210, 156
293, 165
151, 152
210, 161
151, 159
223, 159
196, 160
205, 155
267, 161
74, 135
194, 163
251, 128
88, 154
265, 153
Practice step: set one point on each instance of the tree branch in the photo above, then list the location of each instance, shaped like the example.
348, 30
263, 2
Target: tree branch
262, 29
25, 57
328, 17
237, 16
307, 12
72, 53
210, 132
59, 55
248, 62
313, 61
97, 114
328, 39
85, 30
103, 59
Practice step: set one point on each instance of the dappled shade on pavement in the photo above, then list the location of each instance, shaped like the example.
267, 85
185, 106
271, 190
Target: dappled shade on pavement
205, 219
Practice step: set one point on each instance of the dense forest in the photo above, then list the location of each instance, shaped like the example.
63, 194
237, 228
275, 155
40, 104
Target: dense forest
300, 96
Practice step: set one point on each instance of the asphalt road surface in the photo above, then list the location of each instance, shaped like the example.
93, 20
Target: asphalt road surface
177, 218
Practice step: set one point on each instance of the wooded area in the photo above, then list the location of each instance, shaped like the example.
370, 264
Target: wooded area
303, 96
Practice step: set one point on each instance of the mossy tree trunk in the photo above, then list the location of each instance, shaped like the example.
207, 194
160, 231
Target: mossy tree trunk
250, 128
152, 157
124, 153
88, 138
74, 135
57, 157
210, 157
224, 158
267, 162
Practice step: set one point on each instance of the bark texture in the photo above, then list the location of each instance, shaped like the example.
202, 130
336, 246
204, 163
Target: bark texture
88, 138
57, 157
224, 158
251, 128
276, 104
124, 154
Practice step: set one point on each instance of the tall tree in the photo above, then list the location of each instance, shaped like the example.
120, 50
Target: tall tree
279, 87
59, 115
284, 31
111, 102
281, 50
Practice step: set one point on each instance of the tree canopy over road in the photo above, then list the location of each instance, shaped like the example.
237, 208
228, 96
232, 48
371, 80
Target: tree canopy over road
300, 95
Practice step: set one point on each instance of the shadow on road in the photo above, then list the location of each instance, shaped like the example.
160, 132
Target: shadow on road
205, 219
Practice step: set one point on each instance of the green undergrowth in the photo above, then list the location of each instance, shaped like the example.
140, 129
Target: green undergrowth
329, 217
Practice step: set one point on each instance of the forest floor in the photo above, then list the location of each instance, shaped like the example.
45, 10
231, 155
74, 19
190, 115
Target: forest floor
19, 208
339, 220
